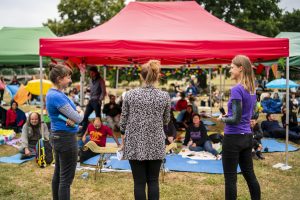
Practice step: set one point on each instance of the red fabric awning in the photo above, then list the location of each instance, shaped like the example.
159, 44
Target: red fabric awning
173, 32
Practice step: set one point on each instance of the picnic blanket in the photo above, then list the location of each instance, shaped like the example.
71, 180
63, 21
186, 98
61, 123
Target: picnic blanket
274, 145
15, 159
173, 163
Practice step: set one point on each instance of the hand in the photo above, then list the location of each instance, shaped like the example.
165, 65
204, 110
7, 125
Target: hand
121, 146
78, 109
194, 145
83, 139
220, 117
70, 123
27, 152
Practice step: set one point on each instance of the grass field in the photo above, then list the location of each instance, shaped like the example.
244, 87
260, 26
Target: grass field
28, 181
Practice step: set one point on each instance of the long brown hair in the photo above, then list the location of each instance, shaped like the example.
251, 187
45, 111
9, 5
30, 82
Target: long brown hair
247, 79
150, 72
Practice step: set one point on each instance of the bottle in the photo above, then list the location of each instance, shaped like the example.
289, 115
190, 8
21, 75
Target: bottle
84, 175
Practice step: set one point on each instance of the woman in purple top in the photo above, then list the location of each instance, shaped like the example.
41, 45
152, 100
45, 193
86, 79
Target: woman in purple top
237, 144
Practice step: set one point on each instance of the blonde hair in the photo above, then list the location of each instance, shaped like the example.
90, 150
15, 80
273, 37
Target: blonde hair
247, 79
150, 72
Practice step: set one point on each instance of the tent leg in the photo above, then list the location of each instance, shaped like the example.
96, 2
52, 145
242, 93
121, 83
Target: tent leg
220, 90
285, 166
41, 93
210, 99
117, 78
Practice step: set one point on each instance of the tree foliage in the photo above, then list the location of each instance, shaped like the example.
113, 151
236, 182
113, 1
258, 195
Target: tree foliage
291, 21
82, 15
261, 17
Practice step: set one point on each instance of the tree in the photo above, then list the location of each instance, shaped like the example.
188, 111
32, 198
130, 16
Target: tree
261, 17
82, 15
291, 21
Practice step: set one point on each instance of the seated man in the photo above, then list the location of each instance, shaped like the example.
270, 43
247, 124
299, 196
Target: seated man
272, 128
98, 133
293, 122
257, 136
113, 111
31, 133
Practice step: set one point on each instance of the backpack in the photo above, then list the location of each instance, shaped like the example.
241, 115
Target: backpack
44, 153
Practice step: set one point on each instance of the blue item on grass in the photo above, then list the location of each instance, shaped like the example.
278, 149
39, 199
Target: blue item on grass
15, 159
274, 145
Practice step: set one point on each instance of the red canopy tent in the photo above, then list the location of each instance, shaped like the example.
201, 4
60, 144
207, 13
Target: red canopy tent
173, 32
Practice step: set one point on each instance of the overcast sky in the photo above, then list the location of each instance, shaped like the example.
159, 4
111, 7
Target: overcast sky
32, 13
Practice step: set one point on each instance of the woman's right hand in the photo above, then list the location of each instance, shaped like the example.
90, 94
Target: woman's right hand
70, 123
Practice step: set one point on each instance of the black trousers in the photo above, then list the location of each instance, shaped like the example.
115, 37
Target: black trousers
93, 105
146, 172
66, 152
237, 149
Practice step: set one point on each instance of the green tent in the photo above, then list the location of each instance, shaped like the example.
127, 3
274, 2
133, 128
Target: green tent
294, 42
20, 46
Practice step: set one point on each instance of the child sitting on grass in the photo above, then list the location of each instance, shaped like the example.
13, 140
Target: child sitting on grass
98, 134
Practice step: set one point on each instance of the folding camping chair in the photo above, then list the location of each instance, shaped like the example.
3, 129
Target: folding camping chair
100, 150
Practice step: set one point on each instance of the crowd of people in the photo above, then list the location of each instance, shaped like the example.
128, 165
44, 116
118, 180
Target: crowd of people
117, 114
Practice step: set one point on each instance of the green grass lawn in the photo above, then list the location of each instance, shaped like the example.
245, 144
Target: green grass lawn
28, 181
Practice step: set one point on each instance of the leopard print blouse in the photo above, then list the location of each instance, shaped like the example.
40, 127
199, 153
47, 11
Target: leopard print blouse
144, 112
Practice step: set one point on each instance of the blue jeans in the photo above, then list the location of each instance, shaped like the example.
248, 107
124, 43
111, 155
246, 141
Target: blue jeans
206, 147
66, 153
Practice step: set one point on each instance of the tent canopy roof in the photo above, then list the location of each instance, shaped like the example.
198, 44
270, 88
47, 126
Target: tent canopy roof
294, 41
174, 32
21, 45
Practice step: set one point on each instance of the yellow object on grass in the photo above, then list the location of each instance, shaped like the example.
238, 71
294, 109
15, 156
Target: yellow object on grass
6, 131
34, 86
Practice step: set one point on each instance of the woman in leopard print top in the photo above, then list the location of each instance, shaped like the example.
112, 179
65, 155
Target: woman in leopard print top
144, 112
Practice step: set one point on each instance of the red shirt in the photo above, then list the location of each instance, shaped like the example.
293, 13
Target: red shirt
99, 136
181, 105
11, 117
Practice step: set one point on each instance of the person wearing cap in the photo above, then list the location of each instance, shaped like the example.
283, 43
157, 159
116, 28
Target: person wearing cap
97, 95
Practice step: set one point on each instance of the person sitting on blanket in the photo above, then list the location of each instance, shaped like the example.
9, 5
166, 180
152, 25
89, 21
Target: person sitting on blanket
182, 103
31, 133
293, 125
257, 136
15, 118
112, 110
271, 128
170, 129
197, 133
187, 117
98, 133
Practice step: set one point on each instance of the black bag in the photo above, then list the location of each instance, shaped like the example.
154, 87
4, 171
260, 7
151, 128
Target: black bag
44, 153
216, 137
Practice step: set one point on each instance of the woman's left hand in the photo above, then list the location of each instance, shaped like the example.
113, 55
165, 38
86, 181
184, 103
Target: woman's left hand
220, 117
194, 145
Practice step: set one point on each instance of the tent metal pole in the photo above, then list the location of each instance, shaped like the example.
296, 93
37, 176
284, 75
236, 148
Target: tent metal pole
117, 77
220, 89
223, 88
210, 99
287, 110
82, 74
41, 94
104, 72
